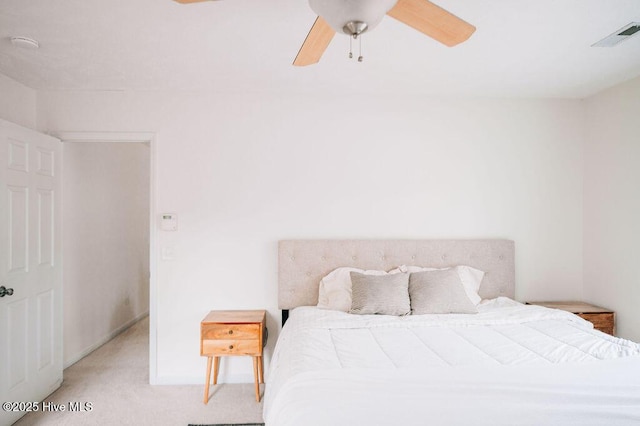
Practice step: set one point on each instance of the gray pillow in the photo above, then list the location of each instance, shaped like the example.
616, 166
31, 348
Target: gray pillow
439, 292
380, 294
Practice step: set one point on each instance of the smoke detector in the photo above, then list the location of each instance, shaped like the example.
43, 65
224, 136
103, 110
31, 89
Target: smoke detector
25, 42
622, 34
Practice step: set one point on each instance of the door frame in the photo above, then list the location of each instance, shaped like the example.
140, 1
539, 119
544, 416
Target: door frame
136, 137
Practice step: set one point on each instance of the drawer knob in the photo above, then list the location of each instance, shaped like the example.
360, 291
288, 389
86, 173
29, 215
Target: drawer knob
230, 331
230, 346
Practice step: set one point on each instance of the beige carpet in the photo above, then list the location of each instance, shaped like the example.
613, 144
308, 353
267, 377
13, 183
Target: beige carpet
115, 380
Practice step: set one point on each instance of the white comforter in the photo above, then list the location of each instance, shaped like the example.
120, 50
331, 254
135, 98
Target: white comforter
511, 364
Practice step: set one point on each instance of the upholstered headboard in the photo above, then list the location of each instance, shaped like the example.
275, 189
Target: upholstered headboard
303, 263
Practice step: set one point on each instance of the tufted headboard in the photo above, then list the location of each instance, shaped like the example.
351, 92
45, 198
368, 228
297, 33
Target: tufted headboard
303, 263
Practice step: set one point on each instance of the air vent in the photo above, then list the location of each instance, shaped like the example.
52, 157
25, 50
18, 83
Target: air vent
620, 35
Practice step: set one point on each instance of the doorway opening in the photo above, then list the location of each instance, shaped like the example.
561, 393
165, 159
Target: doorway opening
108, 239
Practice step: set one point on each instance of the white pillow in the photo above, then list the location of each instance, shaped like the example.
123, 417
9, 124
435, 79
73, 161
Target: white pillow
471, 278
335, 288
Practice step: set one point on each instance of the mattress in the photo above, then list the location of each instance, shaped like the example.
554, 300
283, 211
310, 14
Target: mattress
510, 364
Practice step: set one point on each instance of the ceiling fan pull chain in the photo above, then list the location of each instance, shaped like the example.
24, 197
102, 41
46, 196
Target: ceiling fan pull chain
350, 49
360, 48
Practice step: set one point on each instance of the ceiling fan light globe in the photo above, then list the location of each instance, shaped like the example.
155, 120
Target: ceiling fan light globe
338, 13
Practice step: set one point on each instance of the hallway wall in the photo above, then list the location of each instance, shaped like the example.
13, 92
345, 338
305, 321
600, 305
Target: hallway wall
105, 242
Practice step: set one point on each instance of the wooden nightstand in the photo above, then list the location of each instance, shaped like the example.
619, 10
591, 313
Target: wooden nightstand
602, 319
233, 333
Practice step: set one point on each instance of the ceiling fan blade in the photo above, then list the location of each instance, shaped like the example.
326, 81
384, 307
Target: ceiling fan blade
315, 44
432, 20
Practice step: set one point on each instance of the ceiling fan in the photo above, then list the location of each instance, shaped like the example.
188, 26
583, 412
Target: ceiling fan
354, 17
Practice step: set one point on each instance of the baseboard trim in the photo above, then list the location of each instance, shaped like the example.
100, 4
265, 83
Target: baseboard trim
190, 380
77, 357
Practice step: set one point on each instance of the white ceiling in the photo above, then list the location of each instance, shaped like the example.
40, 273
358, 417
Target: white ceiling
522, 48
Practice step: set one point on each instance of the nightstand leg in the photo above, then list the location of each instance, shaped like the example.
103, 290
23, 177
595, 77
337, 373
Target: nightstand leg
216, 368
255, 375
208, 379
261, 369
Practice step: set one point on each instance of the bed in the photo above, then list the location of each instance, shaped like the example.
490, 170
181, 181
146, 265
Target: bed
505, 364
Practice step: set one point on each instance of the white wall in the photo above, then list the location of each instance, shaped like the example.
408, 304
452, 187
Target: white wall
105, 242
612, 204
17, 103
244, 171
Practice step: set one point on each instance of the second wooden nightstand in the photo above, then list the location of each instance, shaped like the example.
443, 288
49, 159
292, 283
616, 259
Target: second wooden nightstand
232, 333
601, 318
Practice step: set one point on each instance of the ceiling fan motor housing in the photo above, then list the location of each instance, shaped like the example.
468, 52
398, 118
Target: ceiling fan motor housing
348, 16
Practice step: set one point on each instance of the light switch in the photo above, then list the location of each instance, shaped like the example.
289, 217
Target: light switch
168, 252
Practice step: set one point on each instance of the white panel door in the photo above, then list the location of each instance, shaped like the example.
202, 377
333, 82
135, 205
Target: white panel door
30, 268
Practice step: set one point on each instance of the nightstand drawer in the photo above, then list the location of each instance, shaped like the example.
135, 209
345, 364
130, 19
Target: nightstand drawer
231, 331
601, 321
231, 347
